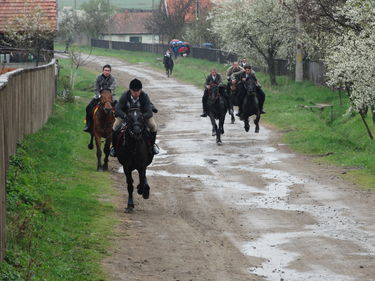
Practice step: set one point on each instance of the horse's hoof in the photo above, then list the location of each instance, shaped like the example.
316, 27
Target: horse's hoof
146, 192
222, 131
139, 189
213, 133
99, 169
129, 208
247, 128
219, 142
232, 120
256, 130
90, 146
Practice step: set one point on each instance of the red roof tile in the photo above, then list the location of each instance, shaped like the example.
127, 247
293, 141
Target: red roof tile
10, 9
130, 23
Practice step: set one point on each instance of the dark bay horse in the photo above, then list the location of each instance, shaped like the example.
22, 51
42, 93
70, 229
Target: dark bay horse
134, 153
250, 105
217, 109
103, 119
168, 64
233, 92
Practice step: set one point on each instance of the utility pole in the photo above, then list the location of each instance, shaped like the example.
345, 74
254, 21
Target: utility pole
109, 24
299, 56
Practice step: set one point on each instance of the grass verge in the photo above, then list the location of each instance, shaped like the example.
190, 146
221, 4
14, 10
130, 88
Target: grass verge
58, 224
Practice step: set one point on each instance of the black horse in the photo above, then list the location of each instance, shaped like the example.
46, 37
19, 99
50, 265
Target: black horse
134, 153
168, 64
217, 108
250, 104
233, 92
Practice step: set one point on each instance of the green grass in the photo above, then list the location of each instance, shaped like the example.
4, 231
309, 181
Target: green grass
343, 139
57, 223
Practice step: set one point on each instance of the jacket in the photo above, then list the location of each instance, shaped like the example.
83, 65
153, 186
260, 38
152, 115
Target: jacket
126, 102
103, 83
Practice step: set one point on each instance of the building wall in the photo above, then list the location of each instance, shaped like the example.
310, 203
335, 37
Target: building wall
144, 38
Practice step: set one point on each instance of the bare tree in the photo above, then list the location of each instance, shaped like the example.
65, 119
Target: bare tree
169, 20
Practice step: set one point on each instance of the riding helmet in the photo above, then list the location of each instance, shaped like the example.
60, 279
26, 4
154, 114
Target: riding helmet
135, 85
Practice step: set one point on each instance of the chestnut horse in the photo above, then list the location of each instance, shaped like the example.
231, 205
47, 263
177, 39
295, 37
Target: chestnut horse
103, 119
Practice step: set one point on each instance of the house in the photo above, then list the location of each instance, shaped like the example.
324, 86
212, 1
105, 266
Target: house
11, 9
15, 9
197, 8
129, 26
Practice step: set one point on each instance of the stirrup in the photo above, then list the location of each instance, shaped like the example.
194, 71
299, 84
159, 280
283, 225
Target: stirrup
155, 149
86, 129
112, 153
204, 114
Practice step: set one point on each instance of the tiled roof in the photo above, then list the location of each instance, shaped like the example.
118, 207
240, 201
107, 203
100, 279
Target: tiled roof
130, 23
10, 9
203, 6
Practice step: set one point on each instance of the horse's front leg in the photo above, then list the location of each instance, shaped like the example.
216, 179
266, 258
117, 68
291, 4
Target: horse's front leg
256, 122
129, 182
91, 144
98, 153
247, 125
143, 184
106, 150
214, 126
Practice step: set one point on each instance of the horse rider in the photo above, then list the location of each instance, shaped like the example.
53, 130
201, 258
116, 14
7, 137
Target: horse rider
104, 81
235, 67
168, 61
213, 78
248, 74
135, 97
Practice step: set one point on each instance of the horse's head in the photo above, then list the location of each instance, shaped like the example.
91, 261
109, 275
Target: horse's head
250, 86
136, 123
106, 100
213, 92
233, 85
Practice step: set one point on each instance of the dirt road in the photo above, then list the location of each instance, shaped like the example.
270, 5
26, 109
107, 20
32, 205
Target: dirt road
247, 210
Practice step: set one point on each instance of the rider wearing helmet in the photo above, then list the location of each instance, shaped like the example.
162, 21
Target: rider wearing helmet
104, 81
135, 97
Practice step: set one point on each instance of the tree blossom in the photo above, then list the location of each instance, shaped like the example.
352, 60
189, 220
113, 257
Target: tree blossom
258, 29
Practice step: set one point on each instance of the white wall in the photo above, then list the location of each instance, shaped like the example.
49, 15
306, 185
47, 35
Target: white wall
146, 38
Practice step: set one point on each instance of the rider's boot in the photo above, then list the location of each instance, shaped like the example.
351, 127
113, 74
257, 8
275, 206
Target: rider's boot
89, 109
204, 103
87, 129
155, 147
112, 153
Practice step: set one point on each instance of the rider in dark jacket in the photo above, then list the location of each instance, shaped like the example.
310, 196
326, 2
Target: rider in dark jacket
168, 62
247, 75
104, 81
214, 78
135, 97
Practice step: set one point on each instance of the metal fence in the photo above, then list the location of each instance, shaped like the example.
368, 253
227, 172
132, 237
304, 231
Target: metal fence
195, 52
26, 102
313, 71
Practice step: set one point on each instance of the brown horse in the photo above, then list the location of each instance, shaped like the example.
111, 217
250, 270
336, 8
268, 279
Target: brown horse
103, 119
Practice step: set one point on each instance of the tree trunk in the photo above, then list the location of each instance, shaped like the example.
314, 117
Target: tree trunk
366, 125
272, 71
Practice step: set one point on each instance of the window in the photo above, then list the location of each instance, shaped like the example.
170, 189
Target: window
135, 39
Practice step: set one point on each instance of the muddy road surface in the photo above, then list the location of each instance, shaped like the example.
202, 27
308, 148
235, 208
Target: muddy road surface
249, 209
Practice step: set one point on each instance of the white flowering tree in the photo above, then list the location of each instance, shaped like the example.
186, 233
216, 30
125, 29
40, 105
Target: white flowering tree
259, 29
30, 31
69, 27
351, 61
